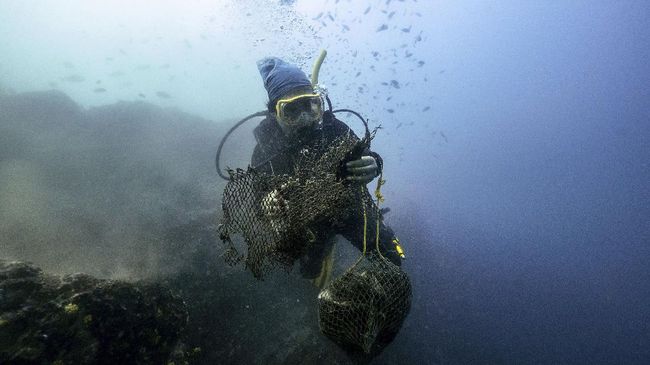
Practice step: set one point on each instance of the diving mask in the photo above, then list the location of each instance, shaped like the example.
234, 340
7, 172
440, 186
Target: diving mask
300, 110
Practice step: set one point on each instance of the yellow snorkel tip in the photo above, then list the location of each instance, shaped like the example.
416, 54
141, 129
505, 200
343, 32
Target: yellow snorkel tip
316, 69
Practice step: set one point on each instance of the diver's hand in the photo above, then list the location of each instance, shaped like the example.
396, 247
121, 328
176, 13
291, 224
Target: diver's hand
363, 170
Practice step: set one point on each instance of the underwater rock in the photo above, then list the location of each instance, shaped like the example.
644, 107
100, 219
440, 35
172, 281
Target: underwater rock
78, 319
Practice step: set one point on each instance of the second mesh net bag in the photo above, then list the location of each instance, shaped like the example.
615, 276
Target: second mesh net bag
365, 307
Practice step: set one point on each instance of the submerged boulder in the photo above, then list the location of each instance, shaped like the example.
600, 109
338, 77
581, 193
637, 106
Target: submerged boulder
78, 319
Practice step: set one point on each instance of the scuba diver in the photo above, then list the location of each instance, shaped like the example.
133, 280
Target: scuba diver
295, 117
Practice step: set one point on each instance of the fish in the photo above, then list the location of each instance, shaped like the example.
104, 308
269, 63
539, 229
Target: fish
391, 14
420, 63
141, 95
399, 125
382, 28
443, 136
163, 95
318, 16
426, 108
390, 111
99, 90
358, 73
74, 78
407, 30
394, 83
367, 10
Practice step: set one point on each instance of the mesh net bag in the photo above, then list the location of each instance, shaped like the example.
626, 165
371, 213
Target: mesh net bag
315, 195
363, 308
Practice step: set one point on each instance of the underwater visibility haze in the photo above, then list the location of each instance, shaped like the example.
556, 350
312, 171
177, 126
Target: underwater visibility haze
515, 145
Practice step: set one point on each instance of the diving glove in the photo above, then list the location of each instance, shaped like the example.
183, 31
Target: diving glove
363, 170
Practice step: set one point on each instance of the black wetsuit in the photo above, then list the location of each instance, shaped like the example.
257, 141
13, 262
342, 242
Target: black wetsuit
276, 154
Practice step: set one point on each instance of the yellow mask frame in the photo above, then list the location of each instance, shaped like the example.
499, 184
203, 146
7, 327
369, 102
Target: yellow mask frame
282, 103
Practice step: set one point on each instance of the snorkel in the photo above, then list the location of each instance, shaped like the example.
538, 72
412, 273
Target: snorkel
316, 69
322, 91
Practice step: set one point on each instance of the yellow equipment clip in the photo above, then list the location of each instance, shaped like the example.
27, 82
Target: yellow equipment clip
398, 247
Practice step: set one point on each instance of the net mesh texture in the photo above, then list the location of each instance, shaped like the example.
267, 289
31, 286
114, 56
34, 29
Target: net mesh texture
269, 221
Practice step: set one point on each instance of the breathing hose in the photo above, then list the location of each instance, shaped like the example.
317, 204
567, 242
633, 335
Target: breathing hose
223, 140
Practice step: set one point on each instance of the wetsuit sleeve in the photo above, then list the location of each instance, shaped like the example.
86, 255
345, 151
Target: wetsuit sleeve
259, 160
257, 157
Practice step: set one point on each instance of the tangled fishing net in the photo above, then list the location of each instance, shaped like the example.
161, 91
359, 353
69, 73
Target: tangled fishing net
269, 221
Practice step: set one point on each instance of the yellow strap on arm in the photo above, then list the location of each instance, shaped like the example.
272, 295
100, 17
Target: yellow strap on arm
380, 183
398, 248
380, 199
365, 223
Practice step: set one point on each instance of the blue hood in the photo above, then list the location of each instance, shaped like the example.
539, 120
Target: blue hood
281, 77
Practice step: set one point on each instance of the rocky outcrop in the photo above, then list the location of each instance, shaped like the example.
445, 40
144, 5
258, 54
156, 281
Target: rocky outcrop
78, 319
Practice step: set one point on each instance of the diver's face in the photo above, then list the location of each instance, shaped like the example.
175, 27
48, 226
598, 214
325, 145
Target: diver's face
299, 111
303, 122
